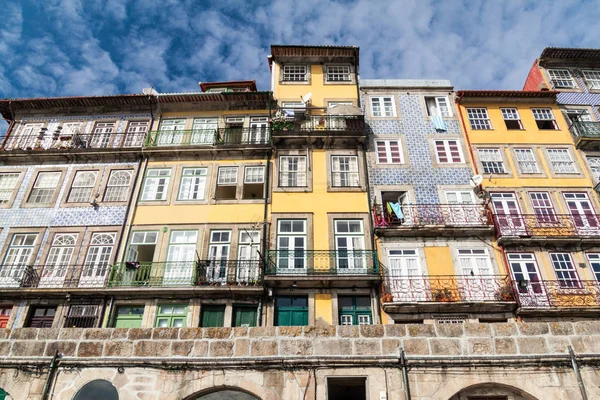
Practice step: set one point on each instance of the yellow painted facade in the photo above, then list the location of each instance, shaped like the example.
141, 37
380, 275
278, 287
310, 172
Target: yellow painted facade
323, 307
439, 260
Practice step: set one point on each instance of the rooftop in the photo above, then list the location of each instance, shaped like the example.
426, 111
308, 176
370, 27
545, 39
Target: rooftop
312, 53
570, 53
516, 94
406, 83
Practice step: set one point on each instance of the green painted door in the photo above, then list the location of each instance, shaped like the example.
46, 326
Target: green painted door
129, 317
3, 394
354, 310
213, 316
291, 311
244, 315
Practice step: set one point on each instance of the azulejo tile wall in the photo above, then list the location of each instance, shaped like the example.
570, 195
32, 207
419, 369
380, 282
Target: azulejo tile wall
417, 129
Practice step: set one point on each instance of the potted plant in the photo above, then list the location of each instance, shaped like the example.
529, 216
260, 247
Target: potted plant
505, 293
442, 295
387, 298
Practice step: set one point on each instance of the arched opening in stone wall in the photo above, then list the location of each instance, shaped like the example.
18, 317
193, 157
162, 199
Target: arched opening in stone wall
224, 394
98, 389
492, 391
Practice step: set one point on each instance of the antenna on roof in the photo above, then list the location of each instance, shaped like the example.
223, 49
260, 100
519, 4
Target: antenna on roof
306, 98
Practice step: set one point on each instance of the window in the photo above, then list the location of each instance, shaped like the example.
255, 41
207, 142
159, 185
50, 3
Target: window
136, 133
82, 187
58, 260
594, 260
27, 137
181, 258
44, 188
383, 106
561, 161
291, 244
156, 184
171, 316
389, 152
97, 260
82, 316
102, 133
438, 106
291, 311
354, 388
218, 254
448, 151
404, 262
254, 183
511, 118
97, 389
479, 119
338, 73
344, 171
129, 316
142, 246
474, 262
204, 130
259, 131
118, 186
565, 269
8, 183
41, 317
20, 250
244, 315
171, 132
212, 316
561, 78
594, 163
4, 316
295, 73
491, 160
350, 245
542, 206
526, 161
544, 118
354, 310
226, 183
193, 182
592, 78
292, 171
331, 104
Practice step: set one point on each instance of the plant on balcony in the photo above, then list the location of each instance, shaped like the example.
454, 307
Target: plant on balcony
283, 125
387, 298
505, 293
442, 295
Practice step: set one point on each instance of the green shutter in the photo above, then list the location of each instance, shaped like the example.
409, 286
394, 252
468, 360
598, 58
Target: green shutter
213, 316
291, 311
355, 307
244, 315
3, 394
129, 317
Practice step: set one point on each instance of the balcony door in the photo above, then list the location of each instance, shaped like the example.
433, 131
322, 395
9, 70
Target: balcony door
102, 134
181, 258
350, 247
291, 246
259, 128
18, 258
458, 215
59, 260
248, 256
527, 279
405, 279
204, 131
170, 132
508, 214
97, 260
218, 254
583, 214
476, 270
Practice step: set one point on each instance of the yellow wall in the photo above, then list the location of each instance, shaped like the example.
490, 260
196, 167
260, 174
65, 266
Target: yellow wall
321, 92
439, 260
323, 309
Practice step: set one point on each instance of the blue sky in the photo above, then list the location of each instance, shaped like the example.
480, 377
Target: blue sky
92, 47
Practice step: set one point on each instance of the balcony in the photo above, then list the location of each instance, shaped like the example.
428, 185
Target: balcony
586, 134
575, 297
432, 220
319, 130
53, 276
304, 267
241, 273
447, 293
544, 228
77, 141
210, 137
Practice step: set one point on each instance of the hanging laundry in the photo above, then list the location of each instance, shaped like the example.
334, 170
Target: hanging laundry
397, 208
438, 123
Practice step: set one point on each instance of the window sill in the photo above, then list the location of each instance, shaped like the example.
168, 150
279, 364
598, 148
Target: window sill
295, 189
346, 189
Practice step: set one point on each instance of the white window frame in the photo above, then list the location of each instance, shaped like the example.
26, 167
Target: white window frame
592, 78
337, 71
193, 185
345, 177
403, 256
116, 188
526, 160
561, 78
440, 110
293, 178
479, 118
82, 187
20, 252
471, 256
492, 161
227, 176
136, 133
594, 163
46, 193
295, 73
561, 166
288, 254
511, 114
447, 151
594, 261
567, 273
388, 159
383, 110
544, 114
253, 179
156, 182
8, 184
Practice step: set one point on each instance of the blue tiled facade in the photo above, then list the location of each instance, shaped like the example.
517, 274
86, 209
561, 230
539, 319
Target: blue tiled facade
584, 98
416, 128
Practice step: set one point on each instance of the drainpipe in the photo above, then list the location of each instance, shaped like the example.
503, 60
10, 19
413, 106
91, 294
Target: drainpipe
51, 371
8, 132
577, 373
462, 120
405, 374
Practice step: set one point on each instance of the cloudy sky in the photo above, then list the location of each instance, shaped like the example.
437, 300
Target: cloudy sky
92, 47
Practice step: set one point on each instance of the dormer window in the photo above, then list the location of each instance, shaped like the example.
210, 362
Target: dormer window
294, 73
561, 78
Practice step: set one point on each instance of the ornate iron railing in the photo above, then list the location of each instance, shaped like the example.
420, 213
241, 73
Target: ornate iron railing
61, 141
53, 276
415, 215
209, 137
446, 288
557, 294
322, 262
306, 123
557, 225
186, 273
586, 129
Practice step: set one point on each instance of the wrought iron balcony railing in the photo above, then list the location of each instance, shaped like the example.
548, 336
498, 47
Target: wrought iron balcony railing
556, 225
446, 288
416, 215
586, 129
210, 137
322, 262
50, 141
53, 276
186, 273
566, 293
311, 123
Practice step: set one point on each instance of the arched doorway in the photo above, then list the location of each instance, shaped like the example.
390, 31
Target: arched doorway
491, 391
98, 389
226, 394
